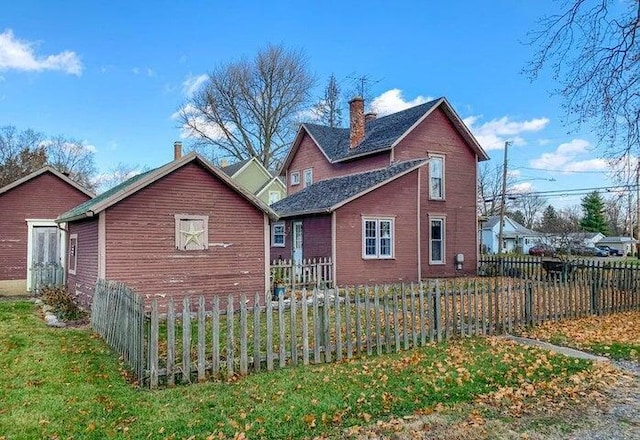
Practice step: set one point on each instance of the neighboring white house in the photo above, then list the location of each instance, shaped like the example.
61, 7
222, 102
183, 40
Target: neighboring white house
584, 238
516, 238
624, 244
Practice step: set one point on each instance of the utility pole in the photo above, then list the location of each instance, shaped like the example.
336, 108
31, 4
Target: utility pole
638, 210
503, 196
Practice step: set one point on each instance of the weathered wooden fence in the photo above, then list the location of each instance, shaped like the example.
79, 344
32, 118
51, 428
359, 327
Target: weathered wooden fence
50, 275
117, 314
309, 273
218, 337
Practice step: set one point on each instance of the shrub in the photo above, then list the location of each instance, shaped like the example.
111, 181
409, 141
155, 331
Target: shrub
62, 303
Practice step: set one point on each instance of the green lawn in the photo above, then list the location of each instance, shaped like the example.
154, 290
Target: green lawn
65, 383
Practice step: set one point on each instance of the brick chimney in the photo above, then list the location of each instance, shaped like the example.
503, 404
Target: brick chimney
356, 121
177, 150
370, 116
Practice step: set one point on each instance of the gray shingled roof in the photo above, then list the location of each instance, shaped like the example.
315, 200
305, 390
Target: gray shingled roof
326, 195
495, 219
230, 170
380, 133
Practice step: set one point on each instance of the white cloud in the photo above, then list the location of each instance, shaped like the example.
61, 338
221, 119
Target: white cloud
521, 188
493, 134
192, 83
212, 131
392, 101
71, 147
567, 158
20, 55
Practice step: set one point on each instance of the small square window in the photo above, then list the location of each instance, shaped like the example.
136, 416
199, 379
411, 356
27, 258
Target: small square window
274, 196
277, 234
295, 178
377, 238
192, 232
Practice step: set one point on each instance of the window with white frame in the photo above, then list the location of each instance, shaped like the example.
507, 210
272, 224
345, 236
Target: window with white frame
436, 241
274, 196
295, 178
73, 253
436, 177
277, 234
307, 177
192, 232
377, 238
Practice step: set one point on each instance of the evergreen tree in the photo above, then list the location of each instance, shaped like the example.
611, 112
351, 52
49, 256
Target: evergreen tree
517, 216
594, 219
551, 221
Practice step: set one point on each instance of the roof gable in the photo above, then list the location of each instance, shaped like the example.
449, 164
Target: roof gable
328, 195
43, 170
140, 181
381, 134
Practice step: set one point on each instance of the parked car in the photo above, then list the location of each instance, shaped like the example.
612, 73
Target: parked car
542, 250
582, 250
610, 250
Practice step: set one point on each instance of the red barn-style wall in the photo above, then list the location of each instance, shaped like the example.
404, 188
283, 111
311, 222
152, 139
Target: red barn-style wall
43, 197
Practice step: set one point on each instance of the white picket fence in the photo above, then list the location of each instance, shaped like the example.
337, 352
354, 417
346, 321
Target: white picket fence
309, 273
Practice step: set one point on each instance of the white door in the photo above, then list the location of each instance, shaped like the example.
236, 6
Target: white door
45, 246
297, 247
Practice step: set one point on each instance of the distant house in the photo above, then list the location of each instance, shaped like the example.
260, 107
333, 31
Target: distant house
389, 199
589, 239
516, 238
182, 229
626, 245
30, 236
256, 179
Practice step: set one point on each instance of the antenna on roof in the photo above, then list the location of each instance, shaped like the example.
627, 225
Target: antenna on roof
362, 86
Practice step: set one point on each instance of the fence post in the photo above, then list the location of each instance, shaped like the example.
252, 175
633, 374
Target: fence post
528, 303
595, 292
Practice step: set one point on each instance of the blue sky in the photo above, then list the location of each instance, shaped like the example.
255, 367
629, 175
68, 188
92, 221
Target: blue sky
113, 73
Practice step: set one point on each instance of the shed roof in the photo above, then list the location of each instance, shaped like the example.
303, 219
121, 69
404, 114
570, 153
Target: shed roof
47, 169
230, 170
136, 183
328, 195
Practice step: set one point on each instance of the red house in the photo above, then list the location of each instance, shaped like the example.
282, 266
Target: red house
29, 235
182, 229
389, 199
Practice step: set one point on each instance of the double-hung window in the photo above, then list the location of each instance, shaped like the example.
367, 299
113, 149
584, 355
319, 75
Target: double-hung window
436, 241
295, 178
277, 234
377, 238
307, 177
436, 177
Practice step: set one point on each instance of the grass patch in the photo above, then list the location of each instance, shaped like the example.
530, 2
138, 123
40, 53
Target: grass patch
65, 383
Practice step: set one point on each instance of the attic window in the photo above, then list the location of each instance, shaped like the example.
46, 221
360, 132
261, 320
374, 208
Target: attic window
295, 178
192, 232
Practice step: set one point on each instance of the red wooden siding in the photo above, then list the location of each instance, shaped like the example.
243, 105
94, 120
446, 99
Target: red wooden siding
397, 199
310, 156
436, 135
83, 282
140, 239
316, 237
43, 197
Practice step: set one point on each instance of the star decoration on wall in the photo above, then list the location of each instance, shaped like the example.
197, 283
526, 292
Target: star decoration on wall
192, 235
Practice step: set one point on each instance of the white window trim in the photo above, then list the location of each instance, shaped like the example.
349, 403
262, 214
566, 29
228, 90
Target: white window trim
273, 234
443, 222
305, 173
442, 158
75, 254
295, 178
277, 193
205, 233
364, 241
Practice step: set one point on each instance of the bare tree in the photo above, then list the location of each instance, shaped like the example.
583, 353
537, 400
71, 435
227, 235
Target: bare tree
116, 175
21, 153
248, 108
328, 108
530, 205
490, 189
592, 48
72, 157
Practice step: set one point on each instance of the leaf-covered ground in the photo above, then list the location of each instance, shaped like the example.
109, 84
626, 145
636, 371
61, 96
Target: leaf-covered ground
616, 335
65, 383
